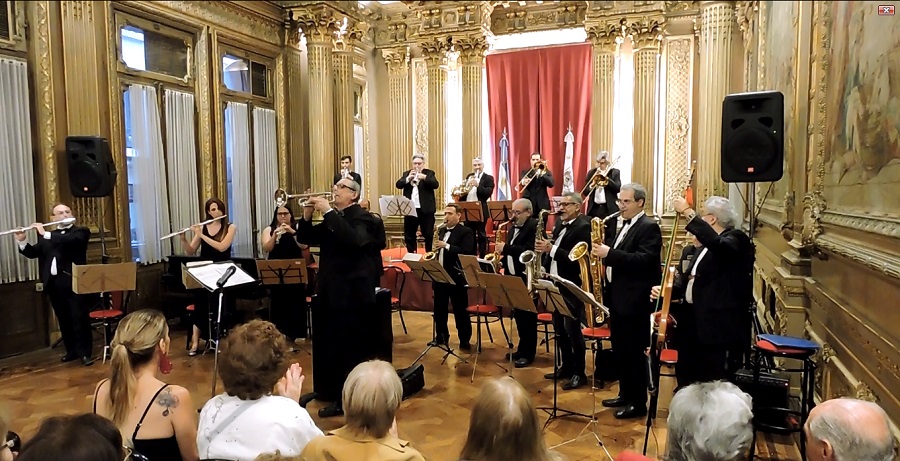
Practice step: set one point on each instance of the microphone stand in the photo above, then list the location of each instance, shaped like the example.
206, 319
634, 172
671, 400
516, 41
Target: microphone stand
220, 288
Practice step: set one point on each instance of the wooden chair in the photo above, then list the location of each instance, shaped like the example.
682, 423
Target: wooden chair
397, 292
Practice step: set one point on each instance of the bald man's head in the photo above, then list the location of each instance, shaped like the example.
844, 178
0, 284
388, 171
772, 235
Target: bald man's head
848, 429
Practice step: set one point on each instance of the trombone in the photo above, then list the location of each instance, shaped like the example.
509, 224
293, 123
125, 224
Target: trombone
189, 228
281, 197
54, 223
532, 173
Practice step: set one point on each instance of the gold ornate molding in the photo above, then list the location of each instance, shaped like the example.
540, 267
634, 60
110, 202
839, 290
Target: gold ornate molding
229, 15
204, 108
646, 32
859, 252
435, 51
397, 60
787, 217
317, 26
862, 391
679, 72
471, 49
547, 16
604, 36
44, 56
281, 113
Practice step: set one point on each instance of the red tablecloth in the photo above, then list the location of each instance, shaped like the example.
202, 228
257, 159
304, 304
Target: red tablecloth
415, 294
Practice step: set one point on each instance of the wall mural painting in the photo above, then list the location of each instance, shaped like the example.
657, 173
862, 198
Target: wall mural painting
862, 139
782, 19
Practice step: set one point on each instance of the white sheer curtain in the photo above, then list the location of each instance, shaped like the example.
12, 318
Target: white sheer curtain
17, 173
265, 161
453, 165
151, 203
237, 151
181, 150
359, 155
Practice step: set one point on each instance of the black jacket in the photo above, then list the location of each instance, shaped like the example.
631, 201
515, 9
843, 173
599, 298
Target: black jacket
524, 242
483, 191
536, 191
462, 242
723, 286
683, 271
579, 231
427, 187
611, 190
68, 246
356, 177
636, 268
346, 259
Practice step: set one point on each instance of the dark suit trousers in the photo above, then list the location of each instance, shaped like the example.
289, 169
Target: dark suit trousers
423, 221
602, 211
569, 338
480, 236
459, 296
630, 337
288, 306
74, 321
526, 324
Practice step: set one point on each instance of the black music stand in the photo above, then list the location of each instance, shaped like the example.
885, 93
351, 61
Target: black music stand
509, 291
219, 278
499, 211
281, 272
554, 302
432, 271
471, 211
104, 279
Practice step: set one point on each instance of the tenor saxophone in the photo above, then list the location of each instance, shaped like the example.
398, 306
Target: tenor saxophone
437, 238
500, 237
532, 259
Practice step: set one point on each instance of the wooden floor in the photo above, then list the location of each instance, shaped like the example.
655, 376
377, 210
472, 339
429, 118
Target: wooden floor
435, 420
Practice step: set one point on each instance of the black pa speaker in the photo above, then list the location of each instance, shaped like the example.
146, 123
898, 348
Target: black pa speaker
92, 172
753, 137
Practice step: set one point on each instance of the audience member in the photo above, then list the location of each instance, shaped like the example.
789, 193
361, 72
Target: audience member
371, 396
248, 420
848, 430
87, 437
710, 422
6, 453
157, 420
504, 426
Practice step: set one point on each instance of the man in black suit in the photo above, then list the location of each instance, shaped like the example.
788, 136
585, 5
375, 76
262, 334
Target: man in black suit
718, 291
345, 284
520, 238
418, 185
346, 164
632, 269
571, 227
57, 251
536, 189
602, 200
454, 240
481, 187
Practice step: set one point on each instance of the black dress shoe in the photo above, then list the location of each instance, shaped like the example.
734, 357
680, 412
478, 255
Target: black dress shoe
616, 402
68, 358
630, 411
87, 361
514, 355
576, 382
465, 346
559, 374
331, 411
522, 362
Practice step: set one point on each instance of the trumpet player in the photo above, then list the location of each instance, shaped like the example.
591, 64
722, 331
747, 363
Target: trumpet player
453, 240
481, 187
418, 185
347, 172
602, 200
520, 238
56, 252
535, 188
279, 241
571, 228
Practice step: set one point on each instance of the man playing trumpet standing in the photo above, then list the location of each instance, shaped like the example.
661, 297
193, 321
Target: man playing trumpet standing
346, 172
418, 185
481, 187
602, 200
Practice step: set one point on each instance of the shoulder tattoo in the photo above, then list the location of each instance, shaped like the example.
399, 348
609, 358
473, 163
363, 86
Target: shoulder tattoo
167, 400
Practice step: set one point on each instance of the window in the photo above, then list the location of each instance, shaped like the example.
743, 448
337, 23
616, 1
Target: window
244, 75
131, 175
7, 17
147, 47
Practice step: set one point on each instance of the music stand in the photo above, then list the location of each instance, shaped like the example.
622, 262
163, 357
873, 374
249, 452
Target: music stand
280, 272
509, 291
471, 211
500, 211
431, 271
396, 205
218, 278
103, 279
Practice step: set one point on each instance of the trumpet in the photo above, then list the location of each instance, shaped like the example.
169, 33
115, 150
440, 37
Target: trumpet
345, 173
534, 172
189, 228
54, 223
282, 197
415, 179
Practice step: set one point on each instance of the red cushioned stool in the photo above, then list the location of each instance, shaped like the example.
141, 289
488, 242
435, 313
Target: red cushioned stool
490, 313
545, 319
107, 318
399, 282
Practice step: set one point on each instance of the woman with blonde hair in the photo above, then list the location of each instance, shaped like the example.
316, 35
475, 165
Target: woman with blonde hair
156, 420
504, 426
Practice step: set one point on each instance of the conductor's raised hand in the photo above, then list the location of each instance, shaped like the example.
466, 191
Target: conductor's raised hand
291, 384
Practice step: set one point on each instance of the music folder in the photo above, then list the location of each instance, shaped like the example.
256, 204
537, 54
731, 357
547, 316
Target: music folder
508, 291
551, 297
209, 274
583, 296
396, 205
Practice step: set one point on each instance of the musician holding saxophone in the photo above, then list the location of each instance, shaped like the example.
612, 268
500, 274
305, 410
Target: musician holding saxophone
520, 237
478, 186
418, 185
534, 183
601, 191
450, 241
571, 228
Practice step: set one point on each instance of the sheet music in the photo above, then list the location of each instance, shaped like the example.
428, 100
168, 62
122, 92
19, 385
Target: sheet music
576, 290
412, 257
396, 205
209, 274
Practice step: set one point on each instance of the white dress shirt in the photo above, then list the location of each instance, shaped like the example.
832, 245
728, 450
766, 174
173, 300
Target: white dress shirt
619, 239
24, 243
689, 291
473, 194
414, 197
510, 261
444, 239
600, 195
553, 267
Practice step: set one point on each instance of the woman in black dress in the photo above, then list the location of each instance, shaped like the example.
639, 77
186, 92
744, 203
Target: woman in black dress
214, 242
287, 302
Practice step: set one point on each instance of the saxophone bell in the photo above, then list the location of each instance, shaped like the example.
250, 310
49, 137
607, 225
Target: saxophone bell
431, 255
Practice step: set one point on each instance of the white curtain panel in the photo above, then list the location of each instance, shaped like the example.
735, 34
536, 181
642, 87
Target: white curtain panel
237, 150
151, 201
17, 173
265, 161
359, 158
181, 153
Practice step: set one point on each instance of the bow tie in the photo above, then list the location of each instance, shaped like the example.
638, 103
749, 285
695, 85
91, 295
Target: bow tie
626, 222
566, 225
517, 227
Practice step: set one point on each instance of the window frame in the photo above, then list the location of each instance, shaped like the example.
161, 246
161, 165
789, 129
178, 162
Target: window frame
226, 48
123, 19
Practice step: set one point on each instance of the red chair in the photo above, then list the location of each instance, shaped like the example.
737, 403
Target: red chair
397, 292
631, 456
490, 313
545, 319
109, 317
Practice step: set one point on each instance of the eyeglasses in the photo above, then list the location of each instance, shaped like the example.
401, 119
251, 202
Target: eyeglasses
344, 186
283, 213
562, 204
517, 212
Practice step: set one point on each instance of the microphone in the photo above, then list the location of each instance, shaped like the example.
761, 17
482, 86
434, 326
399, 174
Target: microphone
227, 275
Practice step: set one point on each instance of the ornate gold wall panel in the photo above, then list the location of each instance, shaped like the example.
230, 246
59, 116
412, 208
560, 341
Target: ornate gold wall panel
420, 107
297, 115
204, 114
435, 62
41, 58
679, 91
248, 19
399, 92
281, 114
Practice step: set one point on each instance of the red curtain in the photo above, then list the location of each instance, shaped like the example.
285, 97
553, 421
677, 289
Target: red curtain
535, 94
513, 88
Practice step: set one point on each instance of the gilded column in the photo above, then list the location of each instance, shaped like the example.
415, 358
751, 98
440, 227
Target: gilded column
343, 94
399, 92
716, 40
646, 75
319, 30
603, 39
44, 55
298, 150
435, 54
471, 55
677, 152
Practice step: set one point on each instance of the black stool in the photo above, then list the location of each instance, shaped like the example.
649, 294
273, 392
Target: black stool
766, 349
